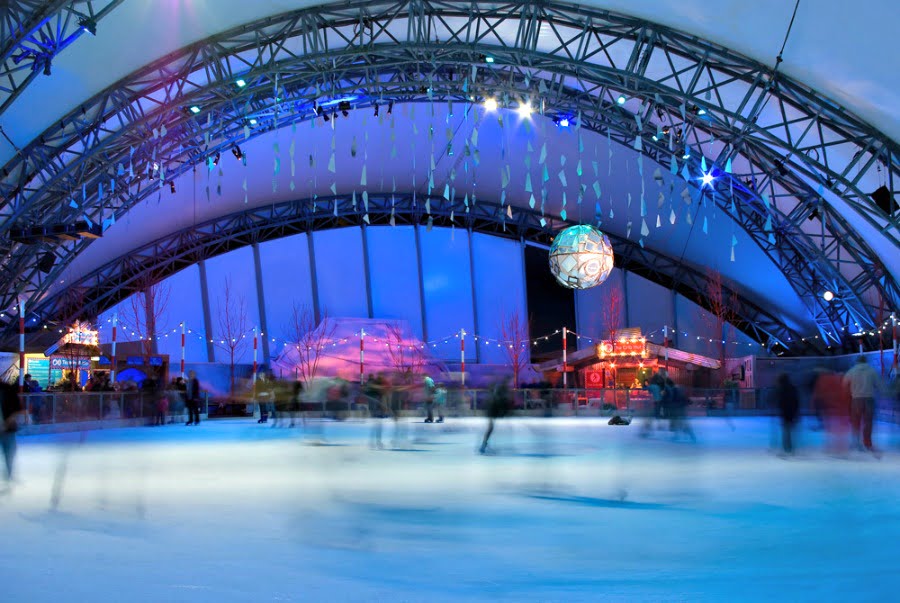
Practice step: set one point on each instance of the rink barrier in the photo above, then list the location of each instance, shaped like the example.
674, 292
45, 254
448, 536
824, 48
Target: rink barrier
67, 411
52, 412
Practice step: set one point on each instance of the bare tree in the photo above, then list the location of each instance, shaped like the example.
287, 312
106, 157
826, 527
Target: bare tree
232, 327
611, 311
309, 338
404, 355
143, 316
514, 340
721, 312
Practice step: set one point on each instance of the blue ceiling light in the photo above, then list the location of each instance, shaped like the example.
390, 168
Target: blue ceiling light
195, 109
240, 83
701, 112
253, 121
707, 179
621, 100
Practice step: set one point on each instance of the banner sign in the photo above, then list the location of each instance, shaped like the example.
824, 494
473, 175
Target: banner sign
83, 364
623, 347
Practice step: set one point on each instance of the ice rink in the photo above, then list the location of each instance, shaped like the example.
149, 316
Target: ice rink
563, 510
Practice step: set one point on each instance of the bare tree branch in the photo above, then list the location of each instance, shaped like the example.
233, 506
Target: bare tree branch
232, 327
514, 340
309, 339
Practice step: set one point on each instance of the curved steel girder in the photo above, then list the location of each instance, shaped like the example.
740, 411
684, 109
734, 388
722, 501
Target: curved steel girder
34, 32
118, 279
783, 252
358, 30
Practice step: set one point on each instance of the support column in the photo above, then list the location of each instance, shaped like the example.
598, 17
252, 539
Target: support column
474, 298
367, 270
317, 314
261, 302
207, 316
525, 299
421, 283
625, 295
674, 319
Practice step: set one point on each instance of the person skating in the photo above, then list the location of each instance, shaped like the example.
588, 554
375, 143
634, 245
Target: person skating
429, 389
788, 409
497, 409
10, 408
862, 381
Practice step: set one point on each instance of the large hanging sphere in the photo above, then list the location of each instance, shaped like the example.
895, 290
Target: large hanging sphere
581, 257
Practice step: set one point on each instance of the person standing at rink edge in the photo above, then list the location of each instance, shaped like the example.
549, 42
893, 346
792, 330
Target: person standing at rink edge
788, 409
193, 399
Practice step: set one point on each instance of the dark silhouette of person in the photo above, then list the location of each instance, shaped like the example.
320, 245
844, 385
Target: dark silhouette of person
788, 409
11, 408
192, 399
498, 408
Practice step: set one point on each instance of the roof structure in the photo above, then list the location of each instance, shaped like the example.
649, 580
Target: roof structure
697, 140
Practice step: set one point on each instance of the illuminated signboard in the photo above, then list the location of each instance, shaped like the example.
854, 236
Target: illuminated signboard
636, 346
82, 334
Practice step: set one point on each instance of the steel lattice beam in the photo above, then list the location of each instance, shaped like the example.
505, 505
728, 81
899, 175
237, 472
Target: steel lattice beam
433, 51
33, 32
128, 274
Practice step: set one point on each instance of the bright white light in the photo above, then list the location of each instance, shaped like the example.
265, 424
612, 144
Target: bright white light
564, 122
195, 109
525, 110
253, 121
621, 99
708, 178
241, 83
490, 104
701, 112
828, 296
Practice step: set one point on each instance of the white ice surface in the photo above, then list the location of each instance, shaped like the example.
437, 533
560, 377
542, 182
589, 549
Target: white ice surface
566, 510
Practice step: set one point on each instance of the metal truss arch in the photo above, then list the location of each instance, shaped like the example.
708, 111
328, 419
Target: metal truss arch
128, 274
573, 58
34, 32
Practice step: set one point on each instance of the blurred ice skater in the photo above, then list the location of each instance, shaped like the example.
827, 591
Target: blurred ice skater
11, 409
788, 409
497, 409
863, 381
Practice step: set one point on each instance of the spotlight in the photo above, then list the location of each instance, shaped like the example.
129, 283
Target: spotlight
707, 179
621, 99
564, 122
490, 104
687, 153
253, 121
324, 115
172, 186
236, 151
525, 110
195, 109
655, 139
376, 109
216, 158
701, 111
240, 83
828, 296
344, 107
89, 25
47, 65
390, 107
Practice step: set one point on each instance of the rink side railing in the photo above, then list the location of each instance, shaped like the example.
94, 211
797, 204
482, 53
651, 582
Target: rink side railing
138, 408
130, 407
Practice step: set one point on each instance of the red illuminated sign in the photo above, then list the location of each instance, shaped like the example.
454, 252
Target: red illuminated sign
623, 347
